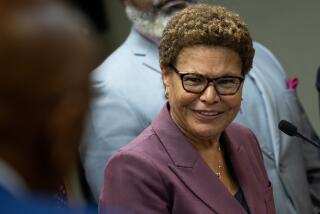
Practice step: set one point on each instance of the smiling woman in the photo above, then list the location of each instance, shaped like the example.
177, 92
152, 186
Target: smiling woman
192, 158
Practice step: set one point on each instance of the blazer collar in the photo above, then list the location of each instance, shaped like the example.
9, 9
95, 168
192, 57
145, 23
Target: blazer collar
188, 165
144, 49
243, 163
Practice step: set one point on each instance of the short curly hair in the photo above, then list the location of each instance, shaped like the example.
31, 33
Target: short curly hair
203, 24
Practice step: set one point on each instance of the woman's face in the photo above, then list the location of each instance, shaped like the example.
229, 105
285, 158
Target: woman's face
203, 116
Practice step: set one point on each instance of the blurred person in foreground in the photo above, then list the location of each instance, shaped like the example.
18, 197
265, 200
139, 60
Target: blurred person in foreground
45, 62
192, 158
128, 96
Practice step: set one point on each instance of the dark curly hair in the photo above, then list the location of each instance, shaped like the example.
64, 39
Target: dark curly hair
203, 24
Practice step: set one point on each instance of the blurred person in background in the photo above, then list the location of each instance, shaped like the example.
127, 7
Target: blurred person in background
128, 94
127, 87
45, 60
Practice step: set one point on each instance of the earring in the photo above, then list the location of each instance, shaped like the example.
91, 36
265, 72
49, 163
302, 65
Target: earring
166, 94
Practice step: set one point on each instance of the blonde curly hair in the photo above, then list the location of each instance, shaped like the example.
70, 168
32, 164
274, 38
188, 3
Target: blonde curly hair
206, 25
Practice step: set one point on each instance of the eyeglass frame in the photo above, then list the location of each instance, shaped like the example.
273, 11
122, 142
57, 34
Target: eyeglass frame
209, 80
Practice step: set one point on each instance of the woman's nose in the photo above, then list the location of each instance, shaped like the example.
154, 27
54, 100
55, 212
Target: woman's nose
210, 94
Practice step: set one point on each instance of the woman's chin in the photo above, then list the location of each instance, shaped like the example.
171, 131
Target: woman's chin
207, 133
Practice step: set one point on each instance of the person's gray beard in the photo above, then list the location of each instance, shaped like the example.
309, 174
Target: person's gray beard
149, 24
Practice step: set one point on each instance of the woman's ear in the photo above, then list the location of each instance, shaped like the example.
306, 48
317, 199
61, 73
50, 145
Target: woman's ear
166, 76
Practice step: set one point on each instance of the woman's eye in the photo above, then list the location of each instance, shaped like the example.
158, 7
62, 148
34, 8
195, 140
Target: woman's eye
192, 80
227, 81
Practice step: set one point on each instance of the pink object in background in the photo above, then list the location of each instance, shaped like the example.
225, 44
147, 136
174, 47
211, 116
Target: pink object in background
292, 83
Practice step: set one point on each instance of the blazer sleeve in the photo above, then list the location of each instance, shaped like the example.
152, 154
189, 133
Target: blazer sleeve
125, 180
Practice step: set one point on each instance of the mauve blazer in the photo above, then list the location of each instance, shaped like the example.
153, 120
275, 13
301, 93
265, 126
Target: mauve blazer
160, 172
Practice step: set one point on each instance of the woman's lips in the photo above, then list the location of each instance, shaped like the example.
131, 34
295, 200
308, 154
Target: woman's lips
207, 115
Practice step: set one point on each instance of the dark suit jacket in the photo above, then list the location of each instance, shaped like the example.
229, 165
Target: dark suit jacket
318, 80
12, 205
33, 205
160, 172
318, 85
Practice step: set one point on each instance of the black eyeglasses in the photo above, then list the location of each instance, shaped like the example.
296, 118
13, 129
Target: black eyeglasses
196, 83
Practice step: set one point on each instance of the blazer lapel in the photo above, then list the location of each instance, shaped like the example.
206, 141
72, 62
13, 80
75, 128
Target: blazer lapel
202, 182
243, 167
151, 60
191, 169
145, 50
